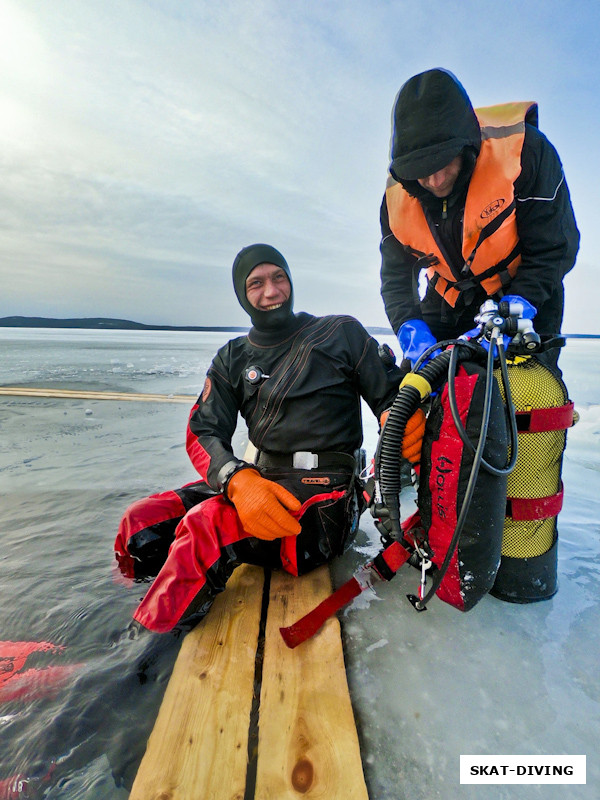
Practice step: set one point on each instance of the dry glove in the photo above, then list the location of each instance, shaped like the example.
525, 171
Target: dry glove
413, 435
263, 506
527, 310
415, 337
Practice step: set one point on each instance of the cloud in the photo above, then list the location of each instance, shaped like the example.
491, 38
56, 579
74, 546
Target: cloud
144, 143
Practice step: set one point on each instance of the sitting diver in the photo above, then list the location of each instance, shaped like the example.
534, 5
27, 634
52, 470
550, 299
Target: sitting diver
297, 380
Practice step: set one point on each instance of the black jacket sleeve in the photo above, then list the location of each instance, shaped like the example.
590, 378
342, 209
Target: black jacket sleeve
377, 383
545, 221
213, 421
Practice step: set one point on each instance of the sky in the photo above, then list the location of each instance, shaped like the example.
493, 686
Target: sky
143, 143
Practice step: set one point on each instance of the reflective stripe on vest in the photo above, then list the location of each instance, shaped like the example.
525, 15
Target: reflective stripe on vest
490, 244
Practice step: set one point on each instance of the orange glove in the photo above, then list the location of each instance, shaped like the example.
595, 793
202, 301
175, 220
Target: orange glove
413, 435
263, 506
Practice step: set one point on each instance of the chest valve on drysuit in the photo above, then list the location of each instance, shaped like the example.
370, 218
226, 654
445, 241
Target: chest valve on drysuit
254, 375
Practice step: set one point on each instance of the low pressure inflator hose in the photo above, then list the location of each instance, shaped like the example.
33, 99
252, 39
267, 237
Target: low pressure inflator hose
415, 387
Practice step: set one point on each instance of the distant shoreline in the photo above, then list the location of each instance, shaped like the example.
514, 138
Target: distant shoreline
104, 323
108, 323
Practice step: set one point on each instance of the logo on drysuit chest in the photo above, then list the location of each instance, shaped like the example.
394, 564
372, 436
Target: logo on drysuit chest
443, 466
492, 208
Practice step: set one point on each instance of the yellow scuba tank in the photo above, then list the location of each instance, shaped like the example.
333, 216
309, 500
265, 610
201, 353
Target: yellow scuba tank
528, 566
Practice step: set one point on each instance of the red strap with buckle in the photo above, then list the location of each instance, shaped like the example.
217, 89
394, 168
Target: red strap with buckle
529, 508
539, 420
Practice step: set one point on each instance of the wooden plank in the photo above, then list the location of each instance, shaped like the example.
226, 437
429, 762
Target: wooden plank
308, 744
76, 394
198, 748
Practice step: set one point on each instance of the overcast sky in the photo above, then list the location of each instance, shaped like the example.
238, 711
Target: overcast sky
144, 142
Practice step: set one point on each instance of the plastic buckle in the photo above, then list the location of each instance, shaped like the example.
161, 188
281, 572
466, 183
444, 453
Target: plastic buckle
364, 577
305, 460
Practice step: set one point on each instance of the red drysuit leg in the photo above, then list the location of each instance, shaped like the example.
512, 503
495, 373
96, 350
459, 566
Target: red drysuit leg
197, 566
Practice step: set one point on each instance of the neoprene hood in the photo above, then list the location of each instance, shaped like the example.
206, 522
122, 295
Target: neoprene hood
433, 121
244, 263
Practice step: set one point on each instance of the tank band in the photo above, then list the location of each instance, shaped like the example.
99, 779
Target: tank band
539, 420
527, 508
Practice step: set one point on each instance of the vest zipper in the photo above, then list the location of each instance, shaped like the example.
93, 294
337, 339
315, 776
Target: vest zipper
444, 209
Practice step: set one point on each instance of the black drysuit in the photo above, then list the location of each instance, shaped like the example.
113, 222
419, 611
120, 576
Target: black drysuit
316, 369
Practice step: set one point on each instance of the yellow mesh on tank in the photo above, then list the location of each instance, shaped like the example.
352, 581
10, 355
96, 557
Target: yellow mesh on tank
537, 471
527, 538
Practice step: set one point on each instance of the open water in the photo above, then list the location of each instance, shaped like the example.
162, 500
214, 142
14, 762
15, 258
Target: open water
502, 679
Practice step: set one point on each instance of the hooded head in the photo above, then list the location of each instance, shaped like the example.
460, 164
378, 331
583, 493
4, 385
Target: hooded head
433, 122
245, 261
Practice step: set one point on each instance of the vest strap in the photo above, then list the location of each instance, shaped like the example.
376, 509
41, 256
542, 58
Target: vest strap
500, 269
486, 232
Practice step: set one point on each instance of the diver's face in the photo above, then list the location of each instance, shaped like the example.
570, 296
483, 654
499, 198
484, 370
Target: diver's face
267, 287
442, 182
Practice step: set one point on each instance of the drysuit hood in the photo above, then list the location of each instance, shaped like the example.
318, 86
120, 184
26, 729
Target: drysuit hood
433, 121
244, 263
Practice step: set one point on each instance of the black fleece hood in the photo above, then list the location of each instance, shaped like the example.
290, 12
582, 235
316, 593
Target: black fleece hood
244, 263
433, 121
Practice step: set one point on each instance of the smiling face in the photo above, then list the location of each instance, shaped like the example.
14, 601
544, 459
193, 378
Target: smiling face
267, 287
441, 182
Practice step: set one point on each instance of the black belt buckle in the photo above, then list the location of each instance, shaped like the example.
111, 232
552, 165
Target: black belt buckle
306, 460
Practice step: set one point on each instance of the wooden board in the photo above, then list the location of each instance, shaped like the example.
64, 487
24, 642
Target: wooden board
198, 748
307, 741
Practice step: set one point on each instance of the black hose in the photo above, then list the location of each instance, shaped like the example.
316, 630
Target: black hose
444, 343
509, 410
389, 448
389, 453
510, 406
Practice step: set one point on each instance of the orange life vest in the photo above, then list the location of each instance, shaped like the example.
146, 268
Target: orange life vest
490, 243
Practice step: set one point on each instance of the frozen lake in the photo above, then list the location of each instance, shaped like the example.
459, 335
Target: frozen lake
426, 688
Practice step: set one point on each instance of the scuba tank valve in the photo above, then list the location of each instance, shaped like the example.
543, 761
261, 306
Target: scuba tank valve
507, 318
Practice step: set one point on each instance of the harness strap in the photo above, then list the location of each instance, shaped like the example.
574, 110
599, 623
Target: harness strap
388, 562
473, 281
384, 566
